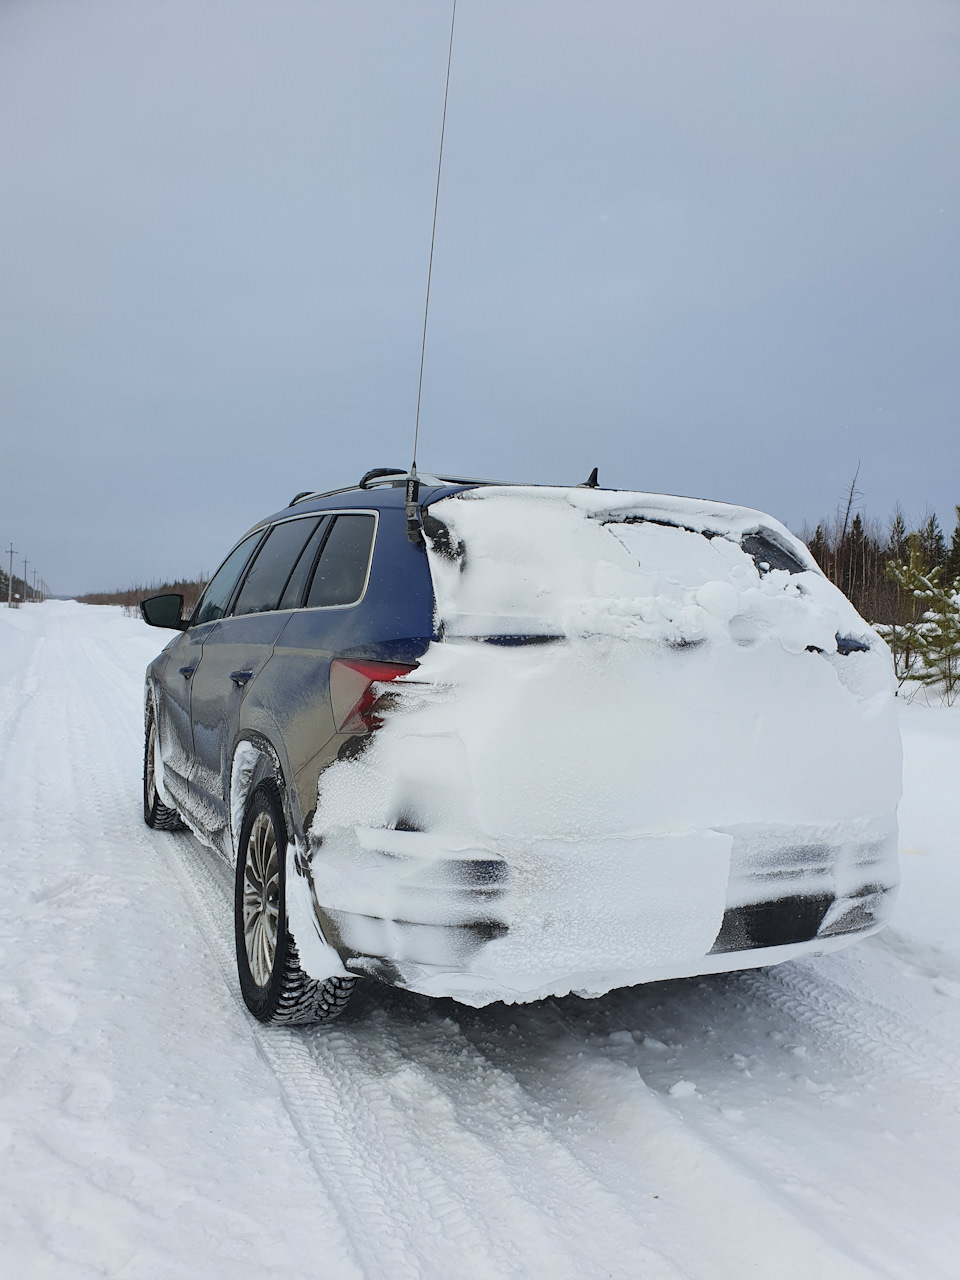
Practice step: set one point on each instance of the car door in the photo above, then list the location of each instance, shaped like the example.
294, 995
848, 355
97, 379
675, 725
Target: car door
234, 652
174, 701
171, 699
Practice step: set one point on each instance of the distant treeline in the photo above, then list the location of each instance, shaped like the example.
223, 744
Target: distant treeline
855, 554
21, 589
189, 589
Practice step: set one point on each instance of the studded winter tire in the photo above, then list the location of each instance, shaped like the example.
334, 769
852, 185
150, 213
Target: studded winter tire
275, 989
155, 812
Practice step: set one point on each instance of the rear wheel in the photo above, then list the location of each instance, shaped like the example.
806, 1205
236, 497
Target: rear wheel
155, 812
275, 989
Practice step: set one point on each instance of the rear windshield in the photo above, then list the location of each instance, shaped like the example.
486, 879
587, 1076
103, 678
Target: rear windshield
551, 563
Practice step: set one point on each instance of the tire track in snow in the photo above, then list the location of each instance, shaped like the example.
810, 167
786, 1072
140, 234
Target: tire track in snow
315, 1105
394, 1153
495, 1144
17, 694
709, 1203
825, 999
743, 1045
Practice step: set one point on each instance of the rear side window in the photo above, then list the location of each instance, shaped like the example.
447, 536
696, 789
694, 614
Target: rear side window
293, 591
341, 573
215, 599
270, 571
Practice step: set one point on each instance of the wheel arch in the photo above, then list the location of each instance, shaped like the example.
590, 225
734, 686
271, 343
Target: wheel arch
254, 760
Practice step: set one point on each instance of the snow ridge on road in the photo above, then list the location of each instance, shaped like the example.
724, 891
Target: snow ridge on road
796, 1122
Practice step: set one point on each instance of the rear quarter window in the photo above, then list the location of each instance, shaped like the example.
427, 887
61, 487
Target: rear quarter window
341, 573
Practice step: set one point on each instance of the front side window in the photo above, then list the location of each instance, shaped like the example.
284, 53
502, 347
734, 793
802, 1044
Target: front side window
215, 599
341, 573
268, 575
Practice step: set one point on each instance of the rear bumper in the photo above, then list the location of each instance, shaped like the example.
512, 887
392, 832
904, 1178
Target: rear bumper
586, 917
472, 989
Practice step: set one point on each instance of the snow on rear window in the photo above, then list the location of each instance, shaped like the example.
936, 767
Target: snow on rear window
571, 562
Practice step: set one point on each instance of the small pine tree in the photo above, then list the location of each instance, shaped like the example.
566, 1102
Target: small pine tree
911, 577
938, 642
925, 649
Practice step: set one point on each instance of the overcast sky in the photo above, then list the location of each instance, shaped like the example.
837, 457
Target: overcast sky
710, 246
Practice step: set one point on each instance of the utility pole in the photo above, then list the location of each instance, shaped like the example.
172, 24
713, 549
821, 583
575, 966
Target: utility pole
10, 578
24, 579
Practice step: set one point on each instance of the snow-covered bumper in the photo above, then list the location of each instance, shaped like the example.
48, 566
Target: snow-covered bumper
482, 927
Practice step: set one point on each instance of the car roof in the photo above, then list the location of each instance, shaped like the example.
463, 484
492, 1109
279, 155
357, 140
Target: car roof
383, 488
382, 492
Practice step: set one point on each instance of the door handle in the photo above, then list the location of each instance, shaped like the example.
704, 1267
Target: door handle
187, 672
240, 678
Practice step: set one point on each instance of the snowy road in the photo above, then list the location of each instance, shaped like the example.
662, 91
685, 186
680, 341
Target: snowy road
801, 1122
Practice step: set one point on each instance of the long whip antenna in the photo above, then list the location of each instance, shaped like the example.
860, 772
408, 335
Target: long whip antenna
433, 236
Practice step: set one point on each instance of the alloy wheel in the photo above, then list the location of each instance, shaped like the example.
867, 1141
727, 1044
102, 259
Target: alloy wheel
149, 772
261, 898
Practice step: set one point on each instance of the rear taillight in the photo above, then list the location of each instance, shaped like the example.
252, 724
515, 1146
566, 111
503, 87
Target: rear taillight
353, 691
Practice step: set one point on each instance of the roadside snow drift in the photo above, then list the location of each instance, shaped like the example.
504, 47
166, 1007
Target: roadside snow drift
644, 712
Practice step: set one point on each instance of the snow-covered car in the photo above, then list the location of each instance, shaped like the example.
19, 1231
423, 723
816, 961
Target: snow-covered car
508, 741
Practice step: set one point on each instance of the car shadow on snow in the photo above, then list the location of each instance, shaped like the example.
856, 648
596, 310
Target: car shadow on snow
728, 1036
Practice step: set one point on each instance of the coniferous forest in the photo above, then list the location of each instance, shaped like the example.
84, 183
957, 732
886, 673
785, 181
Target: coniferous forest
906, 582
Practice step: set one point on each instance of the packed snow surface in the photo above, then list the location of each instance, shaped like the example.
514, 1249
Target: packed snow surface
693, 725
792, 1123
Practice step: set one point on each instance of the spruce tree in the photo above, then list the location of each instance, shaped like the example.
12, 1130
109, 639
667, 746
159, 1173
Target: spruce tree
818, 547
951, 568
853, 567
897, 548
932, 542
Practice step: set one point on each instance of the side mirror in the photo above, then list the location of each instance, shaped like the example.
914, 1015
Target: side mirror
163, 611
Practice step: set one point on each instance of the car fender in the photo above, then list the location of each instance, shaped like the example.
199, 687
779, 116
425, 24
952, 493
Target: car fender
150, 704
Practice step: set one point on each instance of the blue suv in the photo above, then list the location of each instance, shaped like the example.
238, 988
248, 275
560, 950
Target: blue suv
499, 742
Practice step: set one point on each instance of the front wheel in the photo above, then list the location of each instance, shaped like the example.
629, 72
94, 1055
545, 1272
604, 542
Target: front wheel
274, 987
